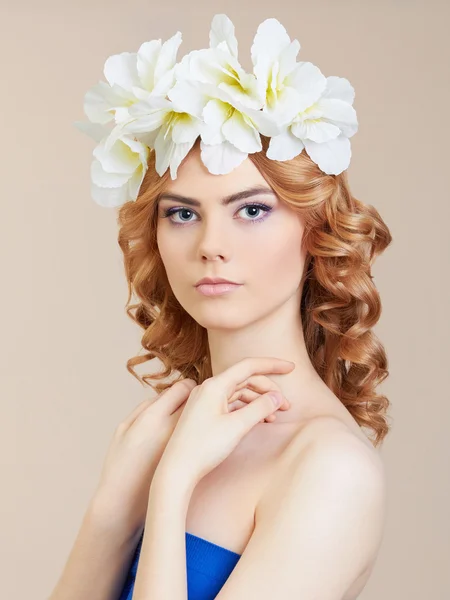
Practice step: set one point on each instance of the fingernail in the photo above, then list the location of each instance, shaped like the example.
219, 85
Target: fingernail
276, 397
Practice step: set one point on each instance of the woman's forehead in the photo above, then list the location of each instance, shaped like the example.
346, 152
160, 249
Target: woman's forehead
194, 180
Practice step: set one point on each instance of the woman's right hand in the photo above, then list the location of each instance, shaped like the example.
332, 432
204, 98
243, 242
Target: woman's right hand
136, 448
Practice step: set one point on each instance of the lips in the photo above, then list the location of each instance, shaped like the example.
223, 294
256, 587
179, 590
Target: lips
214, 280
217, 289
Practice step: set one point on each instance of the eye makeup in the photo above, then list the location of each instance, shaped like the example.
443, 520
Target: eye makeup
168, 212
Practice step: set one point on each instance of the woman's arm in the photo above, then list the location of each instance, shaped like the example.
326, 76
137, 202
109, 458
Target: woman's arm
99, 560
162, 571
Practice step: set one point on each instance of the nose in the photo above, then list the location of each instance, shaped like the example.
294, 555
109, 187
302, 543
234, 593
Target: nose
212, 244
212, 255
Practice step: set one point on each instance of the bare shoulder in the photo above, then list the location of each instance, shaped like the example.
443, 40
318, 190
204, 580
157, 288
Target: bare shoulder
330, 435
327, 445
335, 478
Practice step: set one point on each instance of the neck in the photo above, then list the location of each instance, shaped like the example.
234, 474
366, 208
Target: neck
280, 335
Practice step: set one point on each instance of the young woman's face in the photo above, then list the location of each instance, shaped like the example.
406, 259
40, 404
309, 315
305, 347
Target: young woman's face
258, 247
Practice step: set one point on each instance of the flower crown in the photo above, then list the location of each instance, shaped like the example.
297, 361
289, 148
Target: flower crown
153, 102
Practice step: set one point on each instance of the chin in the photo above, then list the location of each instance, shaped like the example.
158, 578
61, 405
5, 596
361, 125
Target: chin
219, 317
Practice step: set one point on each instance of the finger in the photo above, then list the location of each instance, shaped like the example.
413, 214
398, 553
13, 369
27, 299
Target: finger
172, 398
261, 408
248, 396
180, 407
227, 381
245, 396
262, 385
129, 420
255, 382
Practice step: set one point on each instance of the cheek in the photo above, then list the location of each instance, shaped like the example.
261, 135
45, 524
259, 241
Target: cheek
171, 252
278, 262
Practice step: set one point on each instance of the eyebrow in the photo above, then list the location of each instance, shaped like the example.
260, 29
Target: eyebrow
247, 193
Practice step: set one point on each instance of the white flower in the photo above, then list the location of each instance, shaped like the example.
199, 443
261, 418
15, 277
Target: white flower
132, 77
120, 160
314, 112
212, 85
229, 130
164, 126
218, 65
274, 60
117, 173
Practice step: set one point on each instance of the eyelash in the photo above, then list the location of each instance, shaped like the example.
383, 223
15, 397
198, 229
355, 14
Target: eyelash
173, 210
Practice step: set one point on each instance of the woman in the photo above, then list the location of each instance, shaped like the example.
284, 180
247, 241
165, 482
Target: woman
212, 490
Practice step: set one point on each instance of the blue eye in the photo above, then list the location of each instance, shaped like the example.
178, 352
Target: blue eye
178, 210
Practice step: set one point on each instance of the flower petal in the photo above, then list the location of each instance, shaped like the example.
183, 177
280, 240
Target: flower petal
222, 158
144, 118
270, 39
179, 152
211, 136
168, 154
119, 159
240, 134
222, 30
122, 70
140, 150
121, 114
316, 130
332, 157
284, 146
109, 197
248, 96
340, 89
286, 106
219, 66
165, 83
189, 96
106, 179
215, 114
168, 55
309, 83
147, 55
185, 128
196, 66
149, 105
263, 121
163, 150
339, 113
147, 138
99, 102
135, 182
262, 71
288, 59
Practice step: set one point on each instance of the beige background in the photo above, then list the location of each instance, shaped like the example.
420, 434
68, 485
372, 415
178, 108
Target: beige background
65, 335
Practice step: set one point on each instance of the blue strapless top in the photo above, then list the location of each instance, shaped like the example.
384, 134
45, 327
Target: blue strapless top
208, 566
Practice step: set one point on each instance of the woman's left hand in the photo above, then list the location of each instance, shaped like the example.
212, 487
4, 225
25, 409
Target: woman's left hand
207, 432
